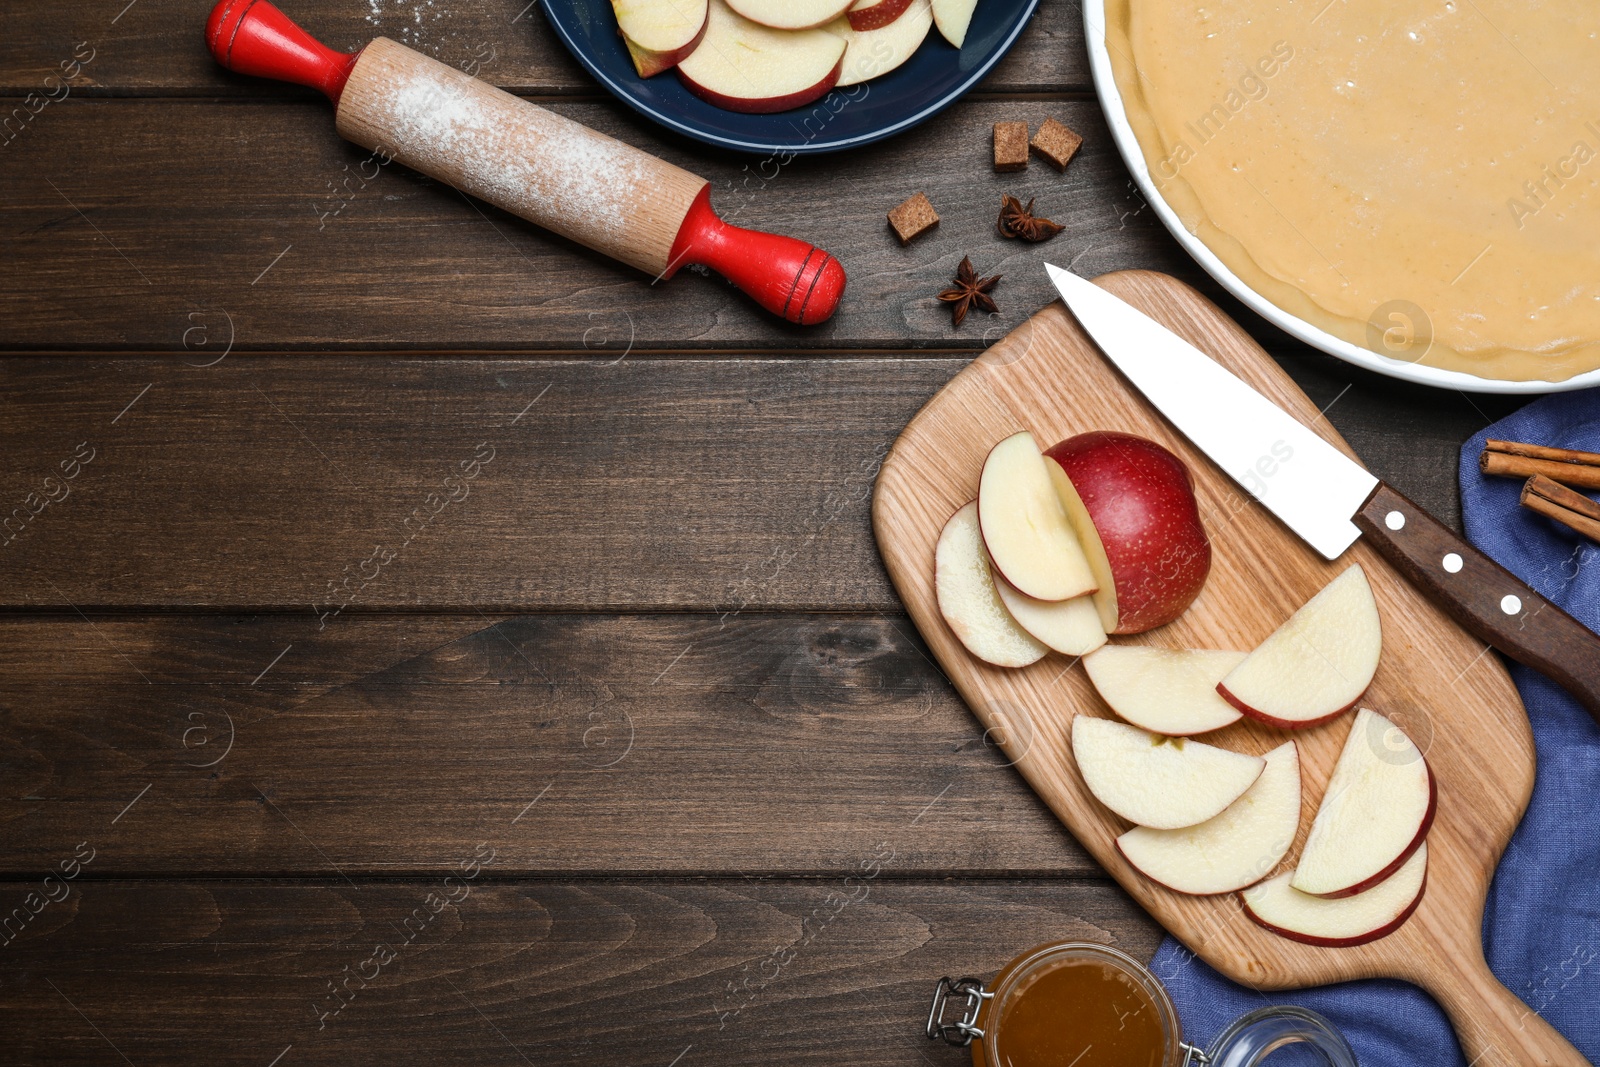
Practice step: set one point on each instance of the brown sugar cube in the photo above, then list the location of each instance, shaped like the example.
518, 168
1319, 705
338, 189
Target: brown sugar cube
913, 218
1010, 146
1056, 144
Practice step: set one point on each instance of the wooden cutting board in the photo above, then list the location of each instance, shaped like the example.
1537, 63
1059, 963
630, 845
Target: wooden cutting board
1451, 696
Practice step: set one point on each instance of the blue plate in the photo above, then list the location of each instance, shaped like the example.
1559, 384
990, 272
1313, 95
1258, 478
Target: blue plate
927, 83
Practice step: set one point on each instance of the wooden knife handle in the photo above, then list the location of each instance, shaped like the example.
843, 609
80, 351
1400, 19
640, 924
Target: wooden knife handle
1488, 600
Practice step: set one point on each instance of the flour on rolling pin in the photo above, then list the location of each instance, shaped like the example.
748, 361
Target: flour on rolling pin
532, 162
560, 174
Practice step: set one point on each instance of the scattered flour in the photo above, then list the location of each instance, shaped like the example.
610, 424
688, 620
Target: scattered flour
407, 20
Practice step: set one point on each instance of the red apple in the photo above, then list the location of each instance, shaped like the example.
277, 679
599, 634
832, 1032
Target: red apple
790, 14
1140, 500
744, 66
1343, 923
875, 14
659, 33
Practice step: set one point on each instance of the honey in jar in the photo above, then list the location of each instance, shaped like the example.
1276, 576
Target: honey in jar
1078, 1012
1075, 1004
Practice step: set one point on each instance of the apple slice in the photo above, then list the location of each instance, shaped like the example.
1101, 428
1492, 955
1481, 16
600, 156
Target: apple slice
875, 14
1378, 912
1375, 813
1139, 498
1170, 691
790, 14
1317, 664
1071, 627
1094, 550
953, 17
869, 53
742, 66
1025, 525
659, 33
1232, 850
965, 588
1162, 782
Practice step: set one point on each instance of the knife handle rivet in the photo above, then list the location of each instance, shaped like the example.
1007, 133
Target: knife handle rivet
1451, 562
1511, 604
1394, 520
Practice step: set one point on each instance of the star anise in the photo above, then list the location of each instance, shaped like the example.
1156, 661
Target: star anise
967, 290
1019, 221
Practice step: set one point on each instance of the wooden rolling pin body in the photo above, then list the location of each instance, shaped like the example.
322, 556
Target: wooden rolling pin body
518, 156
550, 170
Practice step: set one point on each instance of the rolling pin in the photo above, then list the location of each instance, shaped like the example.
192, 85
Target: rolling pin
532, 162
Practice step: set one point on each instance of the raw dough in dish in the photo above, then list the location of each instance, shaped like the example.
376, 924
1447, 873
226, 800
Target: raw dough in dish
1418, 177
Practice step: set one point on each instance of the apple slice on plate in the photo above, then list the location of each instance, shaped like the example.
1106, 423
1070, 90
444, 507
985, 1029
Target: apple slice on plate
1071, 627
965, 588
790, 14
869, 53
1318, 663
1342, 923
875, 14
1232, 850
1148, 537
743, 66
1025, 524
953, 17
659, 33
1375, 813
1169, 691
1162, 782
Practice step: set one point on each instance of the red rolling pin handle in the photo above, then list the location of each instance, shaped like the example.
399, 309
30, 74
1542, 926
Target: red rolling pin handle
254, 37
785, 275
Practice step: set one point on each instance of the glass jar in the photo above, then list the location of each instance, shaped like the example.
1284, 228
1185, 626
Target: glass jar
1079, 1004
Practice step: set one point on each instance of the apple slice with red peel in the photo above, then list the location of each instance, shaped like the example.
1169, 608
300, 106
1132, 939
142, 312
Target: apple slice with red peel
790, 14
743, 66
1232, 850
875, 14
954, 17
1071, 627
1377, 809
1094, 550
659, 33
1318, 663
1170, 691
1140, 500
1162, 782
1025, 525
1345, 922
869, 53
965, 588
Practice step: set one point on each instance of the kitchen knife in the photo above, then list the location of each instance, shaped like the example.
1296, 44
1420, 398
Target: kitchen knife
1327, 498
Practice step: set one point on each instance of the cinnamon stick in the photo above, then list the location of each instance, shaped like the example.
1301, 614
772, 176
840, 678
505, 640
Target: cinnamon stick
1559, 455
1555, 501
1511, 465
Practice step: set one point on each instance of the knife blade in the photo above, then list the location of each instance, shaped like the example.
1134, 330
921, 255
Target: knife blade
1328, 499
1312, 486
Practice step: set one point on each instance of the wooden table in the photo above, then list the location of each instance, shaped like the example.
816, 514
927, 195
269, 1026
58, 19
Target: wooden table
449, 648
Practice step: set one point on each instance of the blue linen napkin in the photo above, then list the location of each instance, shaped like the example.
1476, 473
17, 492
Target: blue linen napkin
1542, 923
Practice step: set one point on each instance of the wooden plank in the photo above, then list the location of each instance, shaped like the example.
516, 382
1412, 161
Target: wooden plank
267, 483
611, 972
253, 223
283, 483
582, 743
155, 48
